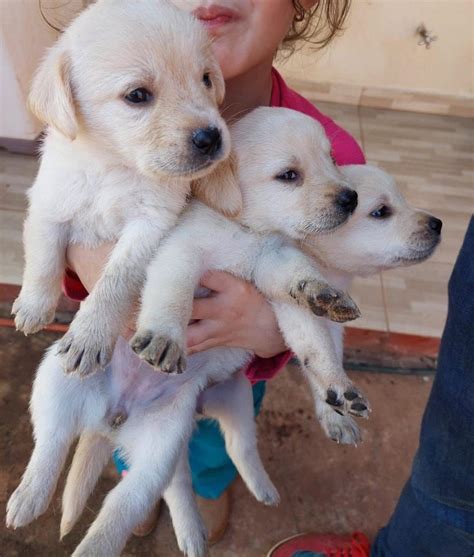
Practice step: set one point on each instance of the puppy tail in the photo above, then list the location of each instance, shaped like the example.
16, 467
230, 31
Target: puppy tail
92, 454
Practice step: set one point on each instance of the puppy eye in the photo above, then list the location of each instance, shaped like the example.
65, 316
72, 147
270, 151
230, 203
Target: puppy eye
381, 213
289, 175
140, 95
206, 79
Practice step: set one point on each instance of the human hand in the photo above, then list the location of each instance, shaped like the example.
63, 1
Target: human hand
89, 265
236, 314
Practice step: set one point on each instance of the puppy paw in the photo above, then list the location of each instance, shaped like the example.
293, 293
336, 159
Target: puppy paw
85, 349
32, 314
159, 351
263, 489
192, 538
342, 429
27, 502
325, 301
268, 495
347, 399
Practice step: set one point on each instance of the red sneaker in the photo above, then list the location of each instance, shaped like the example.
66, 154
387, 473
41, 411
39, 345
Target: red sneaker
328, 545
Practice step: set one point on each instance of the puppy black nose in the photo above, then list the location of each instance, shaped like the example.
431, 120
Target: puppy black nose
207, 140
347, 199
435, 225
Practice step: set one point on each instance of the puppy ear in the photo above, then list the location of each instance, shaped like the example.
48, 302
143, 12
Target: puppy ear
220, 189
50, 98
218, 82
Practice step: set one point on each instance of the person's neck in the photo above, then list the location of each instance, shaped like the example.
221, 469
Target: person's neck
247, 91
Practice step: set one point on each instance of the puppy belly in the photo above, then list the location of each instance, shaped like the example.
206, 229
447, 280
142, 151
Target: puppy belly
136, 388
135, 385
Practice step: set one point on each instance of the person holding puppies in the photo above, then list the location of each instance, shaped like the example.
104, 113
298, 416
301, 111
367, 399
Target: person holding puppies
246, 37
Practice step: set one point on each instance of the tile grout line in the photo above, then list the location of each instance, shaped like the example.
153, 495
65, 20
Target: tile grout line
362, 139
384, 303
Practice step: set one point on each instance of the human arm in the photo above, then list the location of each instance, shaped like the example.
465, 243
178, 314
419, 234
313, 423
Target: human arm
236, 313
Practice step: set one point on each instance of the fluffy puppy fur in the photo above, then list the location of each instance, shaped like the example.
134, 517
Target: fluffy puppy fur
292, 189
125, 104
384, 232
394, 233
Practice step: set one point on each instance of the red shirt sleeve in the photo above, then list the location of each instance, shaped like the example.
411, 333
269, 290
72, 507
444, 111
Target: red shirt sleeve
73, 287
262, 369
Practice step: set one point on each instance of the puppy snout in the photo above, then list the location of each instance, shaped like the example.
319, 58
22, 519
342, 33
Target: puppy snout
347, 200
207, 141
435, 225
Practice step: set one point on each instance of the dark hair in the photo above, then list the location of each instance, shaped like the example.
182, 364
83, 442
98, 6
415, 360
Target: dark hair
58, 17
318, 25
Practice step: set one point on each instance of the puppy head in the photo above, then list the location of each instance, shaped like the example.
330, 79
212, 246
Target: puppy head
384, 232
138, 79
288, 179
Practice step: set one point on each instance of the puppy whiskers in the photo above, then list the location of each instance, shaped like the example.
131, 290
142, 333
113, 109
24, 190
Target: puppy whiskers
233, 117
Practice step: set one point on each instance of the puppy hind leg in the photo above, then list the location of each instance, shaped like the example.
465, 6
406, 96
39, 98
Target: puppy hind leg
31, 498
55, 426
231, 403
189, 528
153, 457
92, 454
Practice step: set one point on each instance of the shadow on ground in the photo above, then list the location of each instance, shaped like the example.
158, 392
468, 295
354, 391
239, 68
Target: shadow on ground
323, 486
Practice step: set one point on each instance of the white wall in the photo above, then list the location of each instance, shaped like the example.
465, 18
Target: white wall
379, 48
24, 37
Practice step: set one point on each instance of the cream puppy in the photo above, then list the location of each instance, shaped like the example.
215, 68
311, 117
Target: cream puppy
290, 190
384, 232
129, 127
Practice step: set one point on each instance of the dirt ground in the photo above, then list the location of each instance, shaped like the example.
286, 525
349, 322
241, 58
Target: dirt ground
323, 486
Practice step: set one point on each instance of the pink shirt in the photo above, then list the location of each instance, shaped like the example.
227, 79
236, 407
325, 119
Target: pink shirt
345, 150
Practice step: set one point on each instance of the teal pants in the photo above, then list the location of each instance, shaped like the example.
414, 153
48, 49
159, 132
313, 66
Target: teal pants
211, 467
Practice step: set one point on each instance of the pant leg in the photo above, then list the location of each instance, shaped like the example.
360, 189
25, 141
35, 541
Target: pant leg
211, 468
435, 513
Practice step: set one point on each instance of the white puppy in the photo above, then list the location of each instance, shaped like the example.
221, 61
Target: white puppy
129, 127
383, 233
292, 188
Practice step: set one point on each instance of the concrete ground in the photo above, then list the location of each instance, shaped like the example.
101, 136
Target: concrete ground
323, 486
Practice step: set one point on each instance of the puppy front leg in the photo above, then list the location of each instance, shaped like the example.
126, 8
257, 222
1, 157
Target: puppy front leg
189, 528
166, 306
310, 339
284, 273
89, 343
231, 404
45, 249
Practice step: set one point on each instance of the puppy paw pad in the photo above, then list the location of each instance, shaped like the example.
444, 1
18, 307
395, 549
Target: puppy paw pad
161, 352
333, 399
